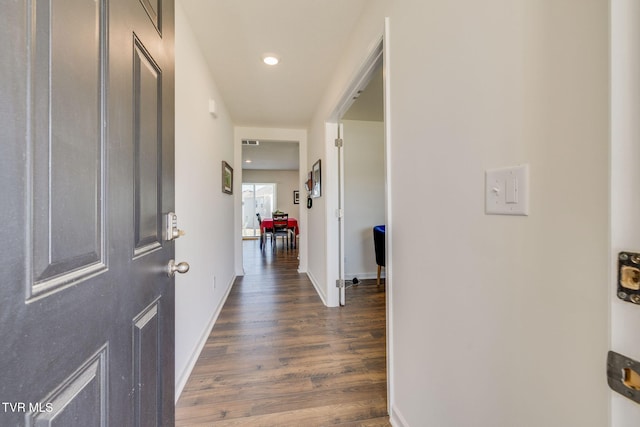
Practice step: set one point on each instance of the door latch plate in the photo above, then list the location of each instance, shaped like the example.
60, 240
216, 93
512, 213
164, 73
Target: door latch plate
623, 375
629, 277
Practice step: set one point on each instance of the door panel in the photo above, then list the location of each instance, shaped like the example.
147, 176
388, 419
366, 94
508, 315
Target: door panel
147, 92
153, 11
86, 160
80, 400
147, 350
67, 226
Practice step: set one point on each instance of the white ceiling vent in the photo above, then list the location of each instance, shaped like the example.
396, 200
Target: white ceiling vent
250, 142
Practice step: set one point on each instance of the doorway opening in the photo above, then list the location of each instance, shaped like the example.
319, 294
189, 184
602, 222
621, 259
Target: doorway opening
268, 162
363, 183
374, 68
359, 128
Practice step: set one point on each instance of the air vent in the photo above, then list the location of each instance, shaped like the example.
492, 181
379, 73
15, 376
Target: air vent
250, 142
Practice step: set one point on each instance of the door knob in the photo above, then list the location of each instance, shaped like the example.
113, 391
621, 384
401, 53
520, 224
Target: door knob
172, 268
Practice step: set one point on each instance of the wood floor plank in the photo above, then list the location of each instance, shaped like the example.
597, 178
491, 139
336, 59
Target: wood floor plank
316, 416
290, 402
278, 357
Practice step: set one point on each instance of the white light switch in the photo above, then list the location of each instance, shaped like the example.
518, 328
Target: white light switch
507, 191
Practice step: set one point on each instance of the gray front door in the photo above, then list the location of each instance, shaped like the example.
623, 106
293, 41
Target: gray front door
86, 169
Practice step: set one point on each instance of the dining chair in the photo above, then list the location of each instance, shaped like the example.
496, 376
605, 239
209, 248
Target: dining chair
280, 228
263, 233
379, 246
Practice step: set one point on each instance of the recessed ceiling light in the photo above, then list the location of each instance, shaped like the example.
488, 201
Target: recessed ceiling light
247, 161
270, 60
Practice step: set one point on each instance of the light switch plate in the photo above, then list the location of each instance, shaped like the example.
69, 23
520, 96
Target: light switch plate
507, 191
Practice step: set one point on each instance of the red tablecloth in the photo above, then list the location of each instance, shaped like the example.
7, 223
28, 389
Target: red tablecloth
268, 223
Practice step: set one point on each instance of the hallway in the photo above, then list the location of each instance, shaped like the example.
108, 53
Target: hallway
278, 357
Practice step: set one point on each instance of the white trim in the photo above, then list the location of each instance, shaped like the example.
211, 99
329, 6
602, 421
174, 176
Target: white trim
314, 282
330, 187
386, 72
364, 276
181, 380
359, 81
624, 63
396, 419
341, 218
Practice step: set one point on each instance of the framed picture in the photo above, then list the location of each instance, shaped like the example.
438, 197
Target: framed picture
316, 176
227, 178
296, 197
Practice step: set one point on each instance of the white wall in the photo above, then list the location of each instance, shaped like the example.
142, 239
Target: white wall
364, 195
317, 216
505, 317
625, 204
204, 212
287, 182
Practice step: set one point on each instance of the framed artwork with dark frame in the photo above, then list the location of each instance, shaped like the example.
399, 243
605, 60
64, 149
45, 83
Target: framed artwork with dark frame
316, 177
227, 178
296, 197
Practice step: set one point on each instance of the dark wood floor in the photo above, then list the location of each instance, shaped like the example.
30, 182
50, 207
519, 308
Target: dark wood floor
278, 357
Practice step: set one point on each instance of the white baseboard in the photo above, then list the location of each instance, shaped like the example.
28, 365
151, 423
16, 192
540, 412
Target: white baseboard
323, 297
396, 419
363, 276
181, 381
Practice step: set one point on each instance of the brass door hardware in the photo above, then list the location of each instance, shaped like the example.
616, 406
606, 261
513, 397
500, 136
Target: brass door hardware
629, 277
623, 375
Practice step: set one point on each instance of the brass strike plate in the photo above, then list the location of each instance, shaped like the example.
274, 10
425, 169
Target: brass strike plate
629, 277
623, 375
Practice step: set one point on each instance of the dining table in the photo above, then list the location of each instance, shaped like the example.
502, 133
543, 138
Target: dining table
267, 224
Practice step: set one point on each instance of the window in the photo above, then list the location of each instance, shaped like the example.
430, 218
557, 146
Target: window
256, 198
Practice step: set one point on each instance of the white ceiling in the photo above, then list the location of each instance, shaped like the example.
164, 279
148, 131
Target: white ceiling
307, 35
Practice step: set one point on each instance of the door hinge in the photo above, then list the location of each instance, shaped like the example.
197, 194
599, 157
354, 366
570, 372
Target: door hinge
340, 283
339, 142
339, 213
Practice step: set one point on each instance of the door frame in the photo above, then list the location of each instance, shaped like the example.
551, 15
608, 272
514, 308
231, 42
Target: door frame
380, 51
335, 163
625, 177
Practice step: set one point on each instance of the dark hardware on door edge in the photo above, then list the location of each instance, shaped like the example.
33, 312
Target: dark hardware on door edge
623, 375
629, 277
